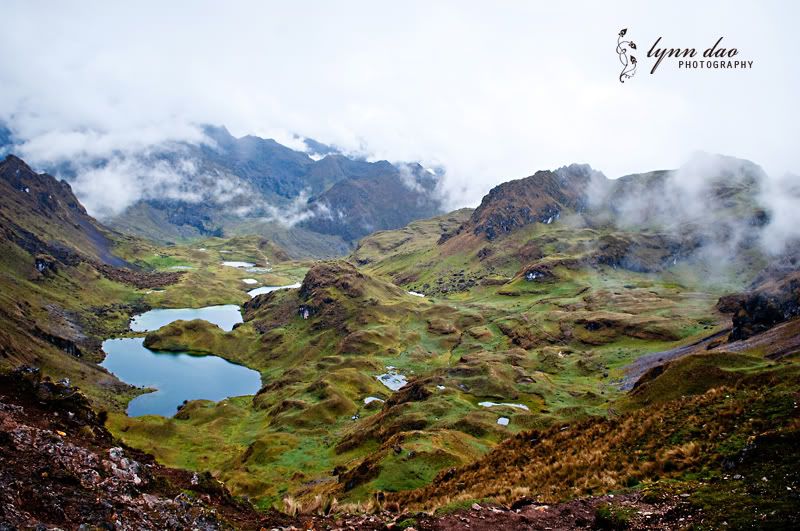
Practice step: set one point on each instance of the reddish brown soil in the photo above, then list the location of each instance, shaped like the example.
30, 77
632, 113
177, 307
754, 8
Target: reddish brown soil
60, 468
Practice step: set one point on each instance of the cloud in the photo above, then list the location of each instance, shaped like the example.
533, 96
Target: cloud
782, 197
108, 189
487, 94
295, 212
727, 204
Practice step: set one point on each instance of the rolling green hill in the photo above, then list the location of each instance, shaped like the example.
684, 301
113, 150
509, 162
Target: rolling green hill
564, 339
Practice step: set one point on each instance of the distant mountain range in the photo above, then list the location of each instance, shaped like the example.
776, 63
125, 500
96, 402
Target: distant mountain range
314, 204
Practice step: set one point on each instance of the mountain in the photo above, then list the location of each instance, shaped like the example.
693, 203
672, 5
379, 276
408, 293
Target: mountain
347, 197
539, 198
43, 216
357, 207
315, 207
574, 216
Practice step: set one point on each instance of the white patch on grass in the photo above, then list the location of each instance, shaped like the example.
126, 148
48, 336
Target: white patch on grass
269, 289
392, 379
371, 399
240, 265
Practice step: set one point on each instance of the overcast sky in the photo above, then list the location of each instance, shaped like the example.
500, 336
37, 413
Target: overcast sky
489, 90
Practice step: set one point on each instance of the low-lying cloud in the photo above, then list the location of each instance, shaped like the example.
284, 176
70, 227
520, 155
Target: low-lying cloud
722, 203
486, 94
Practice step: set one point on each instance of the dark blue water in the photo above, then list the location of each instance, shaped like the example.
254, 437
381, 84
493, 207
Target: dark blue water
223, 316
177, 376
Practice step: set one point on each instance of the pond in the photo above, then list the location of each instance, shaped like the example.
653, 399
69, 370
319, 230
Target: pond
392, 378
240, 265
268, 289
177, 376
224, 316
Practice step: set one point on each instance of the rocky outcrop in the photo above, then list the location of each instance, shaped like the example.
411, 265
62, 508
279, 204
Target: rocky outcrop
67, 345
334, 274
540, 198
771, 302
140, 279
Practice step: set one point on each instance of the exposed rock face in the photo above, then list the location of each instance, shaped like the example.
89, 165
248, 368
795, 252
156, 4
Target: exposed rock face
540, 198
771, 302
45, 264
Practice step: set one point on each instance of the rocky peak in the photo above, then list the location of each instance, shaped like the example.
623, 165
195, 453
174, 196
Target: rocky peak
44, 192
337, 274
540, 198
42, 215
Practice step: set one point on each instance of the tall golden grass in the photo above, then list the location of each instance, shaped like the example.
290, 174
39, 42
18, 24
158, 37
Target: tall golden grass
598, 455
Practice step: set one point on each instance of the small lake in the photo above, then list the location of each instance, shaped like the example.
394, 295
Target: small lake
177, 376
240, 265
268, 289
224, 316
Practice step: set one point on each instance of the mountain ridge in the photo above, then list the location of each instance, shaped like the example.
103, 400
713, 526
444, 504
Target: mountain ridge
215, 186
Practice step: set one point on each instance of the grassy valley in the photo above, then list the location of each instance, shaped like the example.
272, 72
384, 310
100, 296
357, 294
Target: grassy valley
535, 348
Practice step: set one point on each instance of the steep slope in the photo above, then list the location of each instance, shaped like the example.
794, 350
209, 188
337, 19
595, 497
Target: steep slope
274, 170
362, 206
540, 198
338, 197
43, 216
64, 285
61, 468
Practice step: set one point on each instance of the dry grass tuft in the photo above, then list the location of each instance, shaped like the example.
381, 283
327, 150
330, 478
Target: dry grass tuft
598, 455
